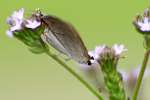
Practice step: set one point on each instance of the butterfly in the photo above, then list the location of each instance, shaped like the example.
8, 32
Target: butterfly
64, 38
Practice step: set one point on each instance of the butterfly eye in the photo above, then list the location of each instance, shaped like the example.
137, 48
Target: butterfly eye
91, 57
89, 62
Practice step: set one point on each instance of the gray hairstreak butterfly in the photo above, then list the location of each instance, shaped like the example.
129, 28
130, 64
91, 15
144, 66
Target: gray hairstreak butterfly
64, 38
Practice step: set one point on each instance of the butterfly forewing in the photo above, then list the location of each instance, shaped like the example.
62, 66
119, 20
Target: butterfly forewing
67, 39
49, 38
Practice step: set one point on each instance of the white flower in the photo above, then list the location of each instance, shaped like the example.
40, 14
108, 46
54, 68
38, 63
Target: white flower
18, 14
119, 49
98, 51
143, 22
144, 25
17, 26
15, 21
32, 24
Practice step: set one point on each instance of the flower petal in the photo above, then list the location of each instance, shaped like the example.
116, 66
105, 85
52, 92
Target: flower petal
32, 24
98, 51
16, 20
142, 23
18, 14
119, 49
9, 33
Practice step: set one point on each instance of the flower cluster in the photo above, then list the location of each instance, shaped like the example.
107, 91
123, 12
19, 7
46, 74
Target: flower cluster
96, 54
17, 22
99, 50
27, 30
142, 22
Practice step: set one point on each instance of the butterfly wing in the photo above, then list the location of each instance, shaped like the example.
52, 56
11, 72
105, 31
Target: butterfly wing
49, 38
68, 37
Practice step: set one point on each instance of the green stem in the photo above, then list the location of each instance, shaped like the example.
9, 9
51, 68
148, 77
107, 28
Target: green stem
140, 77
75, 75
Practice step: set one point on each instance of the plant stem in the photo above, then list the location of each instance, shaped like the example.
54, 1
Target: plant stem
141, 74
98, 95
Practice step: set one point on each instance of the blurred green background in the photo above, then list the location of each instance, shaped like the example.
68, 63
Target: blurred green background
25, 76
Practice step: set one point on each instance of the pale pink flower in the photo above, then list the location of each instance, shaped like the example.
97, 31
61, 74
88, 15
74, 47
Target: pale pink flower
9, 33
119, 49
142, 23
32, 24
15, 21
